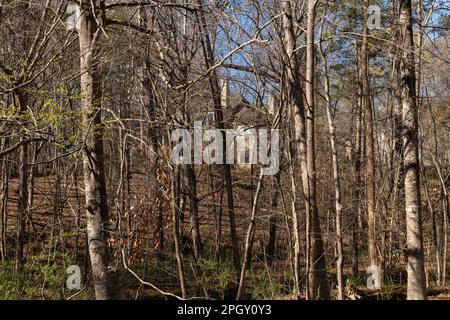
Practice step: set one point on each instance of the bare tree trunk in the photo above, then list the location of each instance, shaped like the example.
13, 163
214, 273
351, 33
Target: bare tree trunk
434, 238
217, 99
318, 285
23, 192
294, 87
357, 217
191, 190
397, 157
336, 177
414, 251
149, 106
295, 230
217, 213
78, 214
445, 215
93, 160
36, 148
274, 195
3, 203
249, 240
271, 242
370, 156
175, 186
190, 177
445, 231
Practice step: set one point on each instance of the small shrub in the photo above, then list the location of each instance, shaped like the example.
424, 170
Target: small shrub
215, 276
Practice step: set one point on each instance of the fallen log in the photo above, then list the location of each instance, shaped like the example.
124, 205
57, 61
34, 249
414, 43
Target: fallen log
391, 293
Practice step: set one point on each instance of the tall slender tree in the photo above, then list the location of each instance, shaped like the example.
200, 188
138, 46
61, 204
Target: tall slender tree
93, 153
218, 111
318, 285
410, 123
336, 172
295, 91
370, 155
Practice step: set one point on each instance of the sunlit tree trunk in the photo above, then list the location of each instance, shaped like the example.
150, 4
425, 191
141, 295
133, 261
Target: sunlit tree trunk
93, 155
336, 178
295, 90
318, 285
370, 156
414, 242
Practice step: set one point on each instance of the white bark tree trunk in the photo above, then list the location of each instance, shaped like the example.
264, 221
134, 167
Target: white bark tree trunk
93, 155
370, 156
300, 138
336, 178
414, 241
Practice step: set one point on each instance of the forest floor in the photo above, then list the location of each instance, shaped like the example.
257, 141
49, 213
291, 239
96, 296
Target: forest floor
52, 246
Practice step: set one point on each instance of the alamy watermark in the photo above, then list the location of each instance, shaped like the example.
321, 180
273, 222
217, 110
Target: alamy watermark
374, 277
73, 281
374, 19
206, 146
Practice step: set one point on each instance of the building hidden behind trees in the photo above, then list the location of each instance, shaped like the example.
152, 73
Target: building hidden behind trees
92, 91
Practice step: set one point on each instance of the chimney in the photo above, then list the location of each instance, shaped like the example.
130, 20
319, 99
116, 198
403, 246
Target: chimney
273, 104
225, 93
